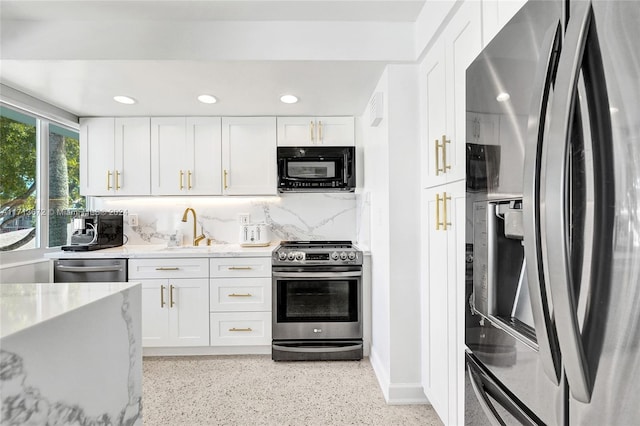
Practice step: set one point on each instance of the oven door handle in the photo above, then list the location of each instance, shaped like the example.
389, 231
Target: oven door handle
319, 349
314, 275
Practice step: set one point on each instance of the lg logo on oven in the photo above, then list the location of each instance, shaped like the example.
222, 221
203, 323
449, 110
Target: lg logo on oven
317, 330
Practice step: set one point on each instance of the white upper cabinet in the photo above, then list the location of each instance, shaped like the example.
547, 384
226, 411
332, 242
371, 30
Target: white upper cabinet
114, 156
433, 94
185, 155
97, 153
249, 156
320, 131
443, 84
168, 146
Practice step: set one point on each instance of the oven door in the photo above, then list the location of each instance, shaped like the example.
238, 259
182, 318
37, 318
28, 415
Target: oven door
317, 305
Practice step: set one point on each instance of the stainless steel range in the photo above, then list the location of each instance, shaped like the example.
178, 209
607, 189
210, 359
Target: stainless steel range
317, 301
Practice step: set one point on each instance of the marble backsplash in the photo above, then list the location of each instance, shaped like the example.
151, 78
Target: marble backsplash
300, 216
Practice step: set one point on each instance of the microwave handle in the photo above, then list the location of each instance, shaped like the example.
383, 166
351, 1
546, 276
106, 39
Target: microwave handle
349, 162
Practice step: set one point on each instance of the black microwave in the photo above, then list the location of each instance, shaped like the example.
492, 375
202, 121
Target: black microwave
316, 169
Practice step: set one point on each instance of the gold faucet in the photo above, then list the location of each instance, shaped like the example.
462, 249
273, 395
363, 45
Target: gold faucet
196, 239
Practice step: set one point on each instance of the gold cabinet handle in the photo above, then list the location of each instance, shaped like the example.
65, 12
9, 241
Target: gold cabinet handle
240, 268
311, 130
240, 295
167, 268
443, 147
240, 329
162, 302
181, 178
109, 180
225, 179
438, 224
445, 222
320, 139
445, 141
117, 180
171, 303
189, 179
437, 148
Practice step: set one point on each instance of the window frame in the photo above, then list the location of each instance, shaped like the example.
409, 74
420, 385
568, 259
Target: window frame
43, 116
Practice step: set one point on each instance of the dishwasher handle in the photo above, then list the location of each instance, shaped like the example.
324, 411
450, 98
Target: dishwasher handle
88, 268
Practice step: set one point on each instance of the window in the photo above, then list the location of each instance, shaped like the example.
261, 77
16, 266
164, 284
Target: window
32, 215
64, 183
18, 170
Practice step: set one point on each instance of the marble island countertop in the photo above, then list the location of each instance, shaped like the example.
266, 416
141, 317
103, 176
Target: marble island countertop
142, 251
26, 305
71, 353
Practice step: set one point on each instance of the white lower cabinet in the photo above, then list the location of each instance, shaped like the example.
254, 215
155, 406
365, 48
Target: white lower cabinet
173, 313
240, 294
240, 328
175, 301
240, 301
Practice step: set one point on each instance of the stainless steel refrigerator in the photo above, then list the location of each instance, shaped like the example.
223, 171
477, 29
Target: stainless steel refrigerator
553, 214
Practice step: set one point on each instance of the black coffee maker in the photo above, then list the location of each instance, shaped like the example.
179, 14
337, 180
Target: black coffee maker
96, 230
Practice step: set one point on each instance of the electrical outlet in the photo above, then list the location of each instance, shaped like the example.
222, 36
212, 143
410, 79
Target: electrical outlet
243, 218
133, 219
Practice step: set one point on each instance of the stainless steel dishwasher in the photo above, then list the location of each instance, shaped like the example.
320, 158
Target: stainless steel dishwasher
89, 270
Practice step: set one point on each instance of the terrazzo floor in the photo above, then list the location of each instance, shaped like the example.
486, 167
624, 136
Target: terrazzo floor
254, 390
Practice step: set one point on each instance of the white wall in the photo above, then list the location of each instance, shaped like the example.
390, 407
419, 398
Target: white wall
404, 218
392, 179
376, 183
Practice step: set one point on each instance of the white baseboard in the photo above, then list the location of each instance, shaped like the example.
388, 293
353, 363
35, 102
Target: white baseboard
396, 393
381, 373
406, 394
208, 350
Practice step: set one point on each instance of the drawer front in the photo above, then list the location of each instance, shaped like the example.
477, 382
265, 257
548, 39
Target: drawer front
240, 328
228, 267
169, 268
240, 294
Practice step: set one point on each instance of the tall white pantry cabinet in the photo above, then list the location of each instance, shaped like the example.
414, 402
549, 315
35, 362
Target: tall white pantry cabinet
443, 211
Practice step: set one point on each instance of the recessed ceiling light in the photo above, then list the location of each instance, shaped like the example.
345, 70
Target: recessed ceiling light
288, 99
124, 99
207, 99
503, 97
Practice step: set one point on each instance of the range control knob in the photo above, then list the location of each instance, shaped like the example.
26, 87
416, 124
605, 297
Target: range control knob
335, 255
343, 256
282, 255
299, 256
352, 255
291, 256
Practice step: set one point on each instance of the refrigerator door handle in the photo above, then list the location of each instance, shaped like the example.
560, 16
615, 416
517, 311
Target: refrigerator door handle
547, 339
484, 401
484, 386
581, 54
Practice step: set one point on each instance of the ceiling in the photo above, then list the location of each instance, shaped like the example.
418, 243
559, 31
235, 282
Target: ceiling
78, 54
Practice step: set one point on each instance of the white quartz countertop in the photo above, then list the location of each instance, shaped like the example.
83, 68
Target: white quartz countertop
154, 251
26, 305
